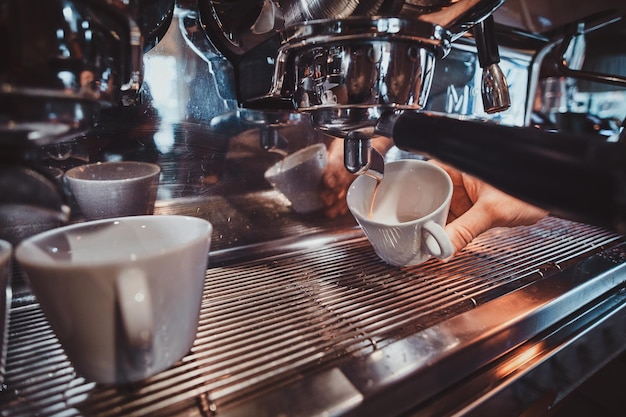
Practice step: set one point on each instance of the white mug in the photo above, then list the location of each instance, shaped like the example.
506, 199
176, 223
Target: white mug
122, 295
299, 175
114, 189
410, 209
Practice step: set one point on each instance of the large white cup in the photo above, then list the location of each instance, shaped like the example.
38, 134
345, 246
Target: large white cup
114, 189
298, 176
406, 226
6, 250
123, 295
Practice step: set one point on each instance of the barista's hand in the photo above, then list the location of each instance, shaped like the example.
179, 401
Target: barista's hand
337, 179
477, 207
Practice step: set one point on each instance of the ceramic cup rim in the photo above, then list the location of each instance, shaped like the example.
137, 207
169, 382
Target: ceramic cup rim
446, 200
73, 264
152, 169
281, 167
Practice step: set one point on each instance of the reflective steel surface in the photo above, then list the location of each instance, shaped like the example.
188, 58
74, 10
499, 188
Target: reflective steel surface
280, 333
70, 57
299, 315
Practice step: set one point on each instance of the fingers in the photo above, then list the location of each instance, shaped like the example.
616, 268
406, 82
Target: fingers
521, 213
336, 210
335, 182
466, 227
334, 201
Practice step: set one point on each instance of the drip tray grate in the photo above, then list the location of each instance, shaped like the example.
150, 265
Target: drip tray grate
267, 322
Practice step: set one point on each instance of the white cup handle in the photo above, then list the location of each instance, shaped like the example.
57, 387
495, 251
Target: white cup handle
437, 242
135, 308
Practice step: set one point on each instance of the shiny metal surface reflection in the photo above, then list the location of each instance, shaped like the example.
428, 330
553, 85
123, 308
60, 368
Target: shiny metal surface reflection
299, 316
67, 59
326, 320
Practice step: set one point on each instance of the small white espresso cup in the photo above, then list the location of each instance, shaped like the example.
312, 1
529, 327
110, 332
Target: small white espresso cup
114, 189
122, 295
6, 249
406, 225
298, 176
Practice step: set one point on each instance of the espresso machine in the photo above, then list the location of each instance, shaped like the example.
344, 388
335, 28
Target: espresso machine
299, 316
356, 70
61, 66
360, 76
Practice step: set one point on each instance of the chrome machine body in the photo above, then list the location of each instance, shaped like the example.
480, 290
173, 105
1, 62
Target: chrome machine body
299, 316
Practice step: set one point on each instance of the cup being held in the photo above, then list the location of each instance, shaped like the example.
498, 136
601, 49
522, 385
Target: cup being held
114, 189
122, 295
404, 221
299, 176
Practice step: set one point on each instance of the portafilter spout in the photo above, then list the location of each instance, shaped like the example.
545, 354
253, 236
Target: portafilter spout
346, 67
360, 157
346, 72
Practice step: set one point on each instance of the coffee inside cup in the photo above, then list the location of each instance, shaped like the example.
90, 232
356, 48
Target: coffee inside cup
399, 198
404, 215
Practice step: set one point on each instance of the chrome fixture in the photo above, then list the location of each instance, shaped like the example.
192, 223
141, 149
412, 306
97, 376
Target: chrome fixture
63, 62
494, 88
345, 65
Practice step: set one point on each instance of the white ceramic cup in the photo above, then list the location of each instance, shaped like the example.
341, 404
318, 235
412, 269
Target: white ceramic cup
406, 226
114, 189
6, 250
299, 175
122, 295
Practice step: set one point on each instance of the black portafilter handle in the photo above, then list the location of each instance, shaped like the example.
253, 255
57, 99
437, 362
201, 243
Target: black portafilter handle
576, 177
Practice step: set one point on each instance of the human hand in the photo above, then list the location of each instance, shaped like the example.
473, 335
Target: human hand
335, 182
477, 207
337, 179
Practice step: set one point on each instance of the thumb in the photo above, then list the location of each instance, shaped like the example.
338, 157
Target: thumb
466, 227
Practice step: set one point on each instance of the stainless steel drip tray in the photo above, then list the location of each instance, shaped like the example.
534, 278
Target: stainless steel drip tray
328, 328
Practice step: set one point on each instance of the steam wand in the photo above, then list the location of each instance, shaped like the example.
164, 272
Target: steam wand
494, 88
